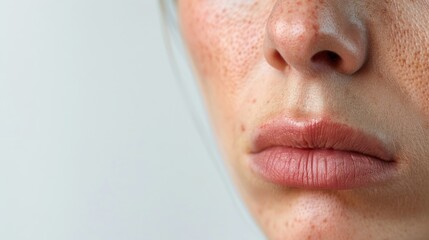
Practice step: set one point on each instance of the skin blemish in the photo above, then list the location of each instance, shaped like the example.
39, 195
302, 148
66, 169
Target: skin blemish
243, 128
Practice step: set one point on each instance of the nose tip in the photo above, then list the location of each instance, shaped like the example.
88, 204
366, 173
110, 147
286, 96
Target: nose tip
314, 37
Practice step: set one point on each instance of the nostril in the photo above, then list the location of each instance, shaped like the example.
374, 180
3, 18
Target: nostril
279, 57
276, 59
328, 58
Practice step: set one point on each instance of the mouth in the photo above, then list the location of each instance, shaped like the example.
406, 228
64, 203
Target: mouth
319, 154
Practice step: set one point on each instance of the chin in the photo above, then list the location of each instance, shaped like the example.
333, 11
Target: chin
312, 215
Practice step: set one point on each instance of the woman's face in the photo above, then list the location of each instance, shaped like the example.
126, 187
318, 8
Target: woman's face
321, 108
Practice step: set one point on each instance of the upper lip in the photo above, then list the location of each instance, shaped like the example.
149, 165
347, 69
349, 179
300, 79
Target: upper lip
318, 134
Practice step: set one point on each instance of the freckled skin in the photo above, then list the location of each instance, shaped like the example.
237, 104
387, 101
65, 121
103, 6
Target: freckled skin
257, 59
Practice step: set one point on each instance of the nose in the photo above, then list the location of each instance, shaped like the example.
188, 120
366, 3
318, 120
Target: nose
312, 36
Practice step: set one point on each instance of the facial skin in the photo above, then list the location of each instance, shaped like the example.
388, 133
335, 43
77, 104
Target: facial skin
260, 59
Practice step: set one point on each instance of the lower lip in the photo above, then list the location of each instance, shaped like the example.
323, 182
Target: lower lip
320, 168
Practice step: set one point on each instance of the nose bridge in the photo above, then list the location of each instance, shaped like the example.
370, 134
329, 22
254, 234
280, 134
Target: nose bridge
306, 34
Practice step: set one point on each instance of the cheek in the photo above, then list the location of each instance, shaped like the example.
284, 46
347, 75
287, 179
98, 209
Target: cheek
408, 48
225, 41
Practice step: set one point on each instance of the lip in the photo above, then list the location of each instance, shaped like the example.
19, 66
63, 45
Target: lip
319, 154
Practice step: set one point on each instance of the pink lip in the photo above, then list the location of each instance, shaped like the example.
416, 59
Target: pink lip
319, 154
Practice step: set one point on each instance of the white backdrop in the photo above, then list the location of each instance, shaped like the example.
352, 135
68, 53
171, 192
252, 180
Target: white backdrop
95, 138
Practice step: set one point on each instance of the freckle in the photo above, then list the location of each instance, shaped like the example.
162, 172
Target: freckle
316, 27
243, 128
254, 100
325, 220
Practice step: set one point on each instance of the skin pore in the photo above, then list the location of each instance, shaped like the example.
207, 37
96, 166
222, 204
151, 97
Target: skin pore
360, 63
